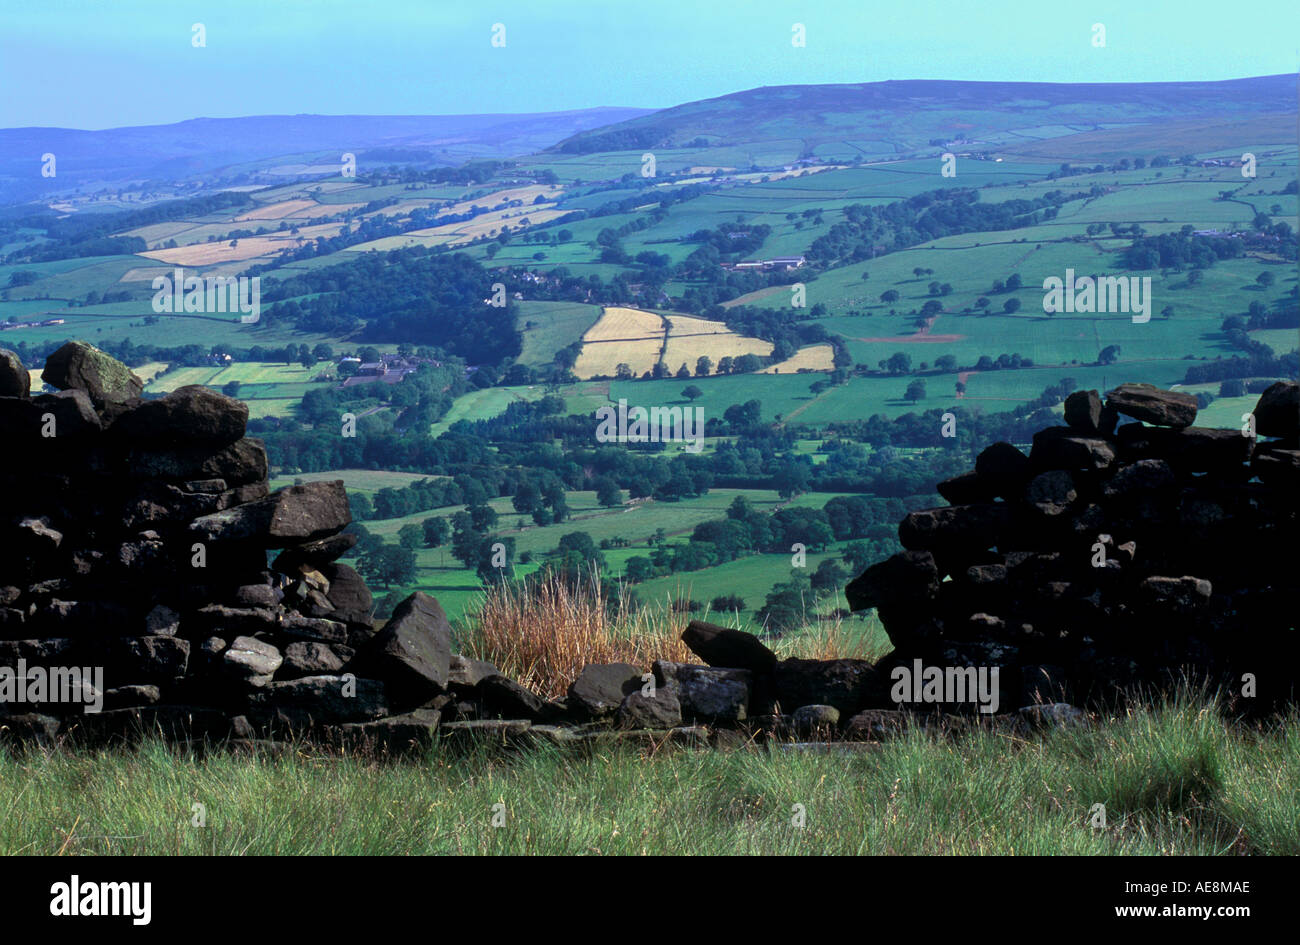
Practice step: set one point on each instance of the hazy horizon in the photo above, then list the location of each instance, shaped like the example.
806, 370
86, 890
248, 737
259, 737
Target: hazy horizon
405, 58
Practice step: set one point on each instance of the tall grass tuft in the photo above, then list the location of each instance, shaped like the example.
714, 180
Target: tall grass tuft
544, 634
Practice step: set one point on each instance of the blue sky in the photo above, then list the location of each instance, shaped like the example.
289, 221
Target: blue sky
106, 63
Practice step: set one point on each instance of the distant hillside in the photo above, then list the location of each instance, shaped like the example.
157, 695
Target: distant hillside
880, 119
202, 146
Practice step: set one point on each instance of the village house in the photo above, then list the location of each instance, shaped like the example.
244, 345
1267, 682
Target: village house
389, 369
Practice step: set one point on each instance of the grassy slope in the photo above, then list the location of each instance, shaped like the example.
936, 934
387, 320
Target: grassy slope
1175, 781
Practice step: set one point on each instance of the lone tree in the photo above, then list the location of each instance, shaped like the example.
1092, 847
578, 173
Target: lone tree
691, 392
1109, 354
898, 363
915, 391
436, 531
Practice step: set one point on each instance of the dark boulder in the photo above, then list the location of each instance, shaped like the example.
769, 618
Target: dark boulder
601, 687
1004, 468
314, 554
294, 515
905, 578
466, 673
504, 698
1052, 494
954, 527
815, 721
347, 594
79, 366
967, 489
311, 658
1150, 404
1085, 412
1277, 413
191, 413
1277, 467
412, 653
144, 659
251, 661
723, 646
847, 684
1059, 448
706, 693
659, 709
312, 700
15, 381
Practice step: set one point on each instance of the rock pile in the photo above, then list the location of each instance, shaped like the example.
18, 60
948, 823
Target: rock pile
136, 535
1111, 556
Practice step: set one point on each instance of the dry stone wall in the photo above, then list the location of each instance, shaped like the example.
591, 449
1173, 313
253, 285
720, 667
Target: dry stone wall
152, 583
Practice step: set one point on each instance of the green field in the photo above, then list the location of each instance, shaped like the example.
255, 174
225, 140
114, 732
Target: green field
483, 404
368, 481
269, 389
549, 326
457, 588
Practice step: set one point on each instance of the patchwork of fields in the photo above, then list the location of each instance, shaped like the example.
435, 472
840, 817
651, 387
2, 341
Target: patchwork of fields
640, 340
597, 201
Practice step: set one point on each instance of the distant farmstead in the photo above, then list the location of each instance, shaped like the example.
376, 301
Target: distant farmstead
6, 326
767, 265
389, 369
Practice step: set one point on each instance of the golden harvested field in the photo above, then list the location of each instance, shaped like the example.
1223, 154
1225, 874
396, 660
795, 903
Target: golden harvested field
811, 358
689, 339
634, 337
454, 234
602, 358
619, 324
277, 211
621, 336
250, 247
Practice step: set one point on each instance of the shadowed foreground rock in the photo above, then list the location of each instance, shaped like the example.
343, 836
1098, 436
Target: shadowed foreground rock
137, 533
1134, 556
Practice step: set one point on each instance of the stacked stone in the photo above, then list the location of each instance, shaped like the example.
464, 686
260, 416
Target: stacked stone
136, 538
1111, 557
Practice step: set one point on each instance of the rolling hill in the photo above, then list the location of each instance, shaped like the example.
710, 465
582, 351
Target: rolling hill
883, 119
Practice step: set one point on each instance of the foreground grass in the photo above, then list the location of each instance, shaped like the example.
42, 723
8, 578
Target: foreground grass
1175, 780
